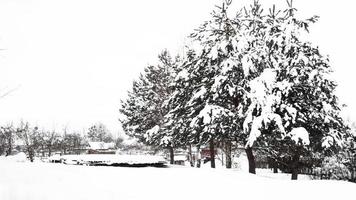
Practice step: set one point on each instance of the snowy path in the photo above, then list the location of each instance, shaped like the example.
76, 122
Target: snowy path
40, 181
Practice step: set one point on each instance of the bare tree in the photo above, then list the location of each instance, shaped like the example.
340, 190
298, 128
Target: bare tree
30, 138
99, 133
7, 138
51, 141
71, 142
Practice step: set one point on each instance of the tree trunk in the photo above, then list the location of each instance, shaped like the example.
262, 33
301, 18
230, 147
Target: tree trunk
171, 155
222, 157
274, 165
49, 151
294, 174
64, 150
198, 157
191, 161
31, 154
251, 160
275, 169
9, 149
43, 150
295, 167
1, 151
228, 154
212, 153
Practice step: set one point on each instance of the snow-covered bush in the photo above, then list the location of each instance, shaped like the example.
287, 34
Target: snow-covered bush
335, 168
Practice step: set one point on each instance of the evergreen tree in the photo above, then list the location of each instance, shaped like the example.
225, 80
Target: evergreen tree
145, 109
209, 89
254, 68
249, 78
293, 107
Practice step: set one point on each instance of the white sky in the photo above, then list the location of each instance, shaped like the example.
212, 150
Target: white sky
73, 60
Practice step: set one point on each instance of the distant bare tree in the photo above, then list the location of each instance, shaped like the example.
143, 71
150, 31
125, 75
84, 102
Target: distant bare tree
2, 143
99, 133
30, 138
48, 141
7, 138
7, 133
51, 140
70, 142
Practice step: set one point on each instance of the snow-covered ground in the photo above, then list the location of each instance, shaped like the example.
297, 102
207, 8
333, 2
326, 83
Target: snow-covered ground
42, 181
112, 159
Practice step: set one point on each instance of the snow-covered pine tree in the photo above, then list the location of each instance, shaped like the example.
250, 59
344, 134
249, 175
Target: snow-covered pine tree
293, 107
133, 121
144, 111
177, 120
209, 87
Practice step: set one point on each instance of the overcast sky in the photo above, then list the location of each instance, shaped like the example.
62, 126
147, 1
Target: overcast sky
71, 61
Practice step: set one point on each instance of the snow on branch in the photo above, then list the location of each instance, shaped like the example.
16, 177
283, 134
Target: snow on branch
259, 123
210, 114
151, 132
299, 136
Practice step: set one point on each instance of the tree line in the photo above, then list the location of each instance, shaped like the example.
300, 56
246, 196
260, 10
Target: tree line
248, 78
35, 141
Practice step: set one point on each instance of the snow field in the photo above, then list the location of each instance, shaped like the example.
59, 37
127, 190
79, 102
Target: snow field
42, 181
